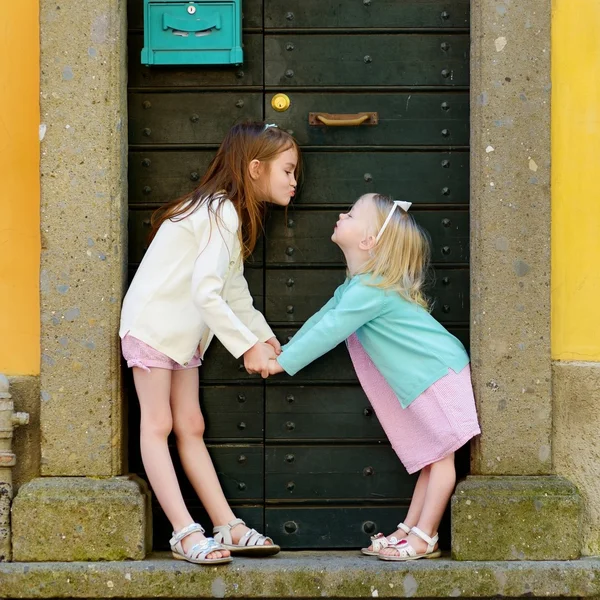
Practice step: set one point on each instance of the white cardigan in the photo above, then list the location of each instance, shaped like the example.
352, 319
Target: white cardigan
190, 286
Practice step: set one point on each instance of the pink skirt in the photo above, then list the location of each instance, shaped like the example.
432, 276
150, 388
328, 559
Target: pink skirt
441, 420
139, 354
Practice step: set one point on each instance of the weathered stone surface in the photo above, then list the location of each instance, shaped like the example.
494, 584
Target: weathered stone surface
576, 443
516, 518
302, 575
83, 212
81, 519
510, 236
25, 391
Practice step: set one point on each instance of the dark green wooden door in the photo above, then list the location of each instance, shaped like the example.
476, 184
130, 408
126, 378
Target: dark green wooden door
304, 458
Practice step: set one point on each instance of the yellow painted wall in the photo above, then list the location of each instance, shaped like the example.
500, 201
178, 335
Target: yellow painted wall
19, 188
576, 180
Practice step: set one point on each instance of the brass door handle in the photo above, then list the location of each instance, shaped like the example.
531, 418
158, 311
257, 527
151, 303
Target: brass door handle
338, 120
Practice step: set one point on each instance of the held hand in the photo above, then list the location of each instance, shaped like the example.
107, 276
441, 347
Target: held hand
274, 367
256, 359
275, 343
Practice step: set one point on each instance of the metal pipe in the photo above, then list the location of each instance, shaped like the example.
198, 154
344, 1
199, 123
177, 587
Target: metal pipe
9, 419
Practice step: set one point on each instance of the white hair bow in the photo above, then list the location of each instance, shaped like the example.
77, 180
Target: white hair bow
403, 205
267, 125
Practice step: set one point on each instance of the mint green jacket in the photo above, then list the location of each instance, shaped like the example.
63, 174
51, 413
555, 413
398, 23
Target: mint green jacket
407, 345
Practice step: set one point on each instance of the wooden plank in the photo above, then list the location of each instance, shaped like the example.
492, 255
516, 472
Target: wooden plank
320, 412
292, 296
139, 230
233, 413
303, 237
405, 119
179, 76
158, 177
333, 367
336, 178
162, 529
335, 472
240, 469
313, 527
371, 60
220, 366
295, 14
421, 177
187, 117
252, 14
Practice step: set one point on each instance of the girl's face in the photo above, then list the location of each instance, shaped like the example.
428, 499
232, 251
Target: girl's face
354, 229
277, 179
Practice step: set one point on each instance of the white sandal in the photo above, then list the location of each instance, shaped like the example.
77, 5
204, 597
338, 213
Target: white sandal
198, 552
407, 552
380, 541
251, 543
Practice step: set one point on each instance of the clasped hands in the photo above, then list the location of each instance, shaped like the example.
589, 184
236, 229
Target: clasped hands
262, 358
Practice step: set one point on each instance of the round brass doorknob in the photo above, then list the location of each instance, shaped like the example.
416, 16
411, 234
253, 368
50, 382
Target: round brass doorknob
280, 102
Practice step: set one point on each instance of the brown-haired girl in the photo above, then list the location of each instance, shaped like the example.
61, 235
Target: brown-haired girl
190, 286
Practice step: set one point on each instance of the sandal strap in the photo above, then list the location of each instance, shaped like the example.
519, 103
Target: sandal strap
405, 550
404, 527
222, 533
202, 550
183, 533
235, 522
431, 541
253, 538
379, 544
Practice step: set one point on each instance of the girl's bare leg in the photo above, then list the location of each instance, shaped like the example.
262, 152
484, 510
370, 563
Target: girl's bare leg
153, 390
442, 479
188, 425
416, 504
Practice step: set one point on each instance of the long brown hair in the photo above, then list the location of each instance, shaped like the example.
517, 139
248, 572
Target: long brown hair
228, 177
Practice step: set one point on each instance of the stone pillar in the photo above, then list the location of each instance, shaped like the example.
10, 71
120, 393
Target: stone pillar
83, 209
509, 508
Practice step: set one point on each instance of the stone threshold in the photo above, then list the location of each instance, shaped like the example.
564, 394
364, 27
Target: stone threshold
336, 574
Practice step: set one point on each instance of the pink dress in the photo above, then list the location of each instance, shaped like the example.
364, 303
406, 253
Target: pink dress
441, 420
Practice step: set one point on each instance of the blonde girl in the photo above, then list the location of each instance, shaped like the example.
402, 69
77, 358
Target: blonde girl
189, 287
414, 372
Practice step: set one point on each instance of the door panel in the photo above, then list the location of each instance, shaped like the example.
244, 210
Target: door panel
336, 178
367, 60
250, 74
338, 526
139, 230
188, 118
340, 178
302, 238
407, 119
233, 413
312, 413
305, 457
368, 14
240, 468
323, 473
157, 177
292, 296
254, 515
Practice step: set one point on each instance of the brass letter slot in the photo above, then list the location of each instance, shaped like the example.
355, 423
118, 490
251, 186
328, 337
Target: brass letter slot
336, 120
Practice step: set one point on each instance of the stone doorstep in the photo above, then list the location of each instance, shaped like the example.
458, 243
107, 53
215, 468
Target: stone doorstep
336, 574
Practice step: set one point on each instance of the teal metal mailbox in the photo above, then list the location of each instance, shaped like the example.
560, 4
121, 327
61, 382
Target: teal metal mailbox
203, 32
